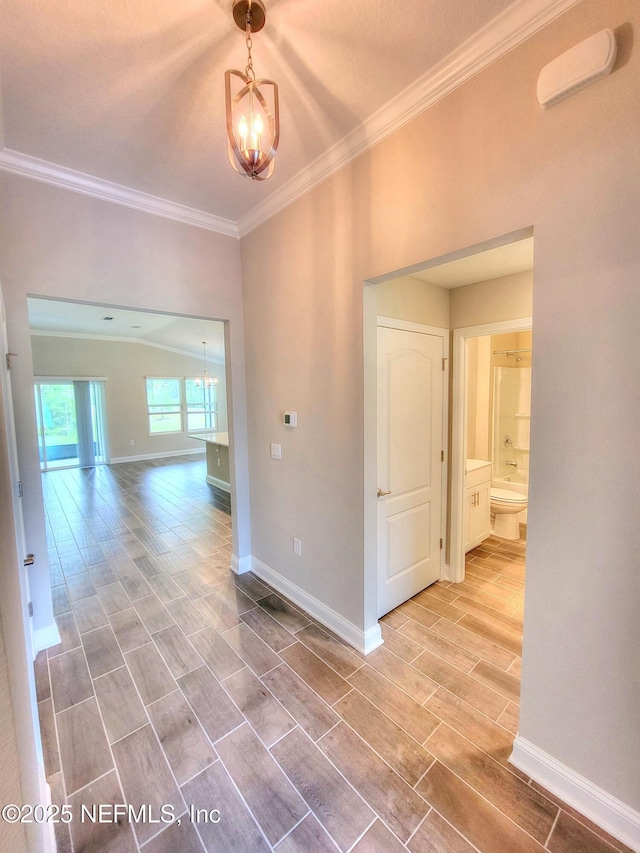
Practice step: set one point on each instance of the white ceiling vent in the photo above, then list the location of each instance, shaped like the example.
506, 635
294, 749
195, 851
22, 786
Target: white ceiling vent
583, 64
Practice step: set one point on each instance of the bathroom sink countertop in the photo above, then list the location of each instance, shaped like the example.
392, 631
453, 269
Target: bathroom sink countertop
474, 464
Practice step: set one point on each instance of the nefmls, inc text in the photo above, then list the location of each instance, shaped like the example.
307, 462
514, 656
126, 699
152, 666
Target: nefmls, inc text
166, 813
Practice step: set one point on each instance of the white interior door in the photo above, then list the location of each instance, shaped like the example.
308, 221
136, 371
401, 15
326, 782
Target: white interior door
410, 443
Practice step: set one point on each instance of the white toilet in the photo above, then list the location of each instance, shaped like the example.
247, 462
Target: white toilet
506, 504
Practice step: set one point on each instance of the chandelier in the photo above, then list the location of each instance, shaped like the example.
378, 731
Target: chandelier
253, 123
206, 381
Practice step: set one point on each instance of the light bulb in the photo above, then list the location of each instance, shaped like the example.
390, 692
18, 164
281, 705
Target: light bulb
242, 131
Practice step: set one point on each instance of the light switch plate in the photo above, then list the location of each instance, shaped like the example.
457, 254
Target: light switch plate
276, 451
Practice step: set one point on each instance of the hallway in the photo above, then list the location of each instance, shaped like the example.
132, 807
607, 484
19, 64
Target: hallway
180, 684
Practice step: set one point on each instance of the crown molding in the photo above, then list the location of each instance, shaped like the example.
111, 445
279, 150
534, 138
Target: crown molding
514, 25
80, 182
120, 339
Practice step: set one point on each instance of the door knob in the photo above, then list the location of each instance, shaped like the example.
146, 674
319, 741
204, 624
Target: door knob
381, 494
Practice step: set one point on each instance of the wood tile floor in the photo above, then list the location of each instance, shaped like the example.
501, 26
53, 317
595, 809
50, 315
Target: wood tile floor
178, 684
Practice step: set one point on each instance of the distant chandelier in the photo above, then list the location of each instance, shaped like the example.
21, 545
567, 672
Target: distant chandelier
253, 123
206, 380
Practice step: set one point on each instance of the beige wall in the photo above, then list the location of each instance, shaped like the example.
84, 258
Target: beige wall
506, 298
125, 367
491, 162
60, 244
409, 298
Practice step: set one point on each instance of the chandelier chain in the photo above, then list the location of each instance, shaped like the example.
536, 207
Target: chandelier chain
249, 72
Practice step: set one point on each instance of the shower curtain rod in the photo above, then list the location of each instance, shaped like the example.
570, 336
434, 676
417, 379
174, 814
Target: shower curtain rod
508, 351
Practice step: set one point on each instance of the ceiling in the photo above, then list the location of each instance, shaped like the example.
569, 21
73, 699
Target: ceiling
482, 266
180, 334
131, 91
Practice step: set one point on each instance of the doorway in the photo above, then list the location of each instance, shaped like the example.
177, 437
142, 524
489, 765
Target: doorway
478, 284
70, 419
481, 432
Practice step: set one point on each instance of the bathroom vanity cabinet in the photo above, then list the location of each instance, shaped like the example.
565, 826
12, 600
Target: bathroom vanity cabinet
477, 503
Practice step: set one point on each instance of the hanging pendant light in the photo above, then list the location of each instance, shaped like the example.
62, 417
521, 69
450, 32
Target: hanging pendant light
207, 382
253, 122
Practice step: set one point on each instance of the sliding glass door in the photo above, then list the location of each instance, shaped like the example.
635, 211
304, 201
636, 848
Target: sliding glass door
71, 423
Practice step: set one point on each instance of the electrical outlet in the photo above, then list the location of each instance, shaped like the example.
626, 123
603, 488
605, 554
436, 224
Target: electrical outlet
297, 546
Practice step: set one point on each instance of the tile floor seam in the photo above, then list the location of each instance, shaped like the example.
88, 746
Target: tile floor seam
431, 763
360, 837
382, 711
442, 721
242, 798
382, 758
488, 755
408, 841
246, 719
327, 758
141, 847
553, 826
293, 828
307, 646
489, 802
461, 834
477, 681
397, 686
440, 657
309, 687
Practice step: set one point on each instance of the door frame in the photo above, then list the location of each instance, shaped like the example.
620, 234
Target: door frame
459, 433
371, 320
17, 626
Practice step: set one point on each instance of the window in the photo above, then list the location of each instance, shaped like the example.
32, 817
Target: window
173, 407
201, 404
164, 405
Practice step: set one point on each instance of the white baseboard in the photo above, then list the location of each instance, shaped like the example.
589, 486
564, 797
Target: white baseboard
363, 641
44, 638
221, 484
48, 833
593, 802
240, 565
162, 455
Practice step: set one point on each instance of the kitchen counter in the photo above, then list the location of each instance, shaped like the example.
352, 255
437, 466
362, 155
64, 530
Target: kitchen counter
212, 435
217, 446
